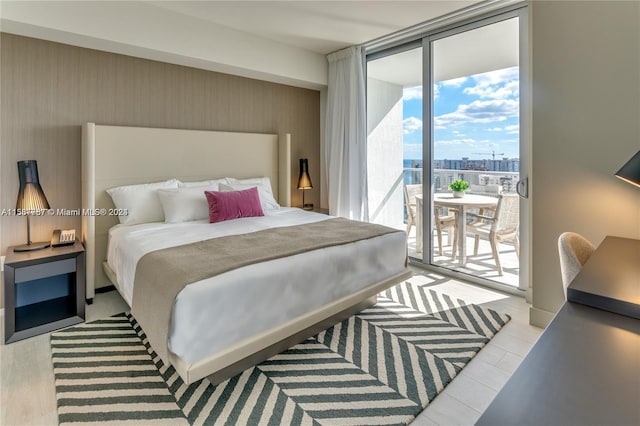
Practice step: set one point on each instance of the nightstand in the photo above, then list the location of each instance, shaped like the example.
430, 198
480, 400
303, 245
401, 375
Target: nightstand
43, 290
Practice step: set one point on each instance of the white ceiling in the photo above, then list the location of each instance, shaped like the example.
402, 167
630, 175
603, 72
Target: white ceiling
280, 41
480, 50
318, 26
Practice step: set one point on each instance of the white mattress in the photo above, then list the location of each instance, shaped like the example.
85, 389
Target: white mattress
217, 312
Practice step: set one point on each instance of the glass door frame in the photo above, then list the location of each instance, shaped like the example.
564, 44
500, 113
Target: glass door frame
423, 35
428, 146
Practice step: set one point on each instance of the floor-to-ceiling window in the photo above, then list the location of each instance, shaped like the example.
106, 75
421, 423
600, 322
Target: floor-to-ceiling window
394, 139
447, 107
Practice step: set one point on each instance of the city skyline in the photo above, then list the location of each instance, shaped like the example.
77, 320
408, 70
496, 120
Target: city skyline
475, 117
497, 165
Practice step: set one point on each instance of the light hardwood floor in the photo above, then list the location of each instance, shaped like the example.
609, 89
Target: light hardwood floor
471, 392
27, 394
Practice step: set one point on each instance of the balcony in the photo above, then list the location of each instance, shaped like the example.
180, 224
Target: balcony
482, 265
483, 182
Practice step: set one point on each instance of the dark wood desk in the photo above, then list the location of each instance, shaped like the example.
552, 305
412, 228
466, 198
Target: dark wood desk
585, 368
610, 279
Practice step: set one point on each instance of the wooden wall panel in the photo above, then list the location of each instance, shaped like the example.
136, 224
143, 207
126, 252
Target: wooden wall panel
48, 90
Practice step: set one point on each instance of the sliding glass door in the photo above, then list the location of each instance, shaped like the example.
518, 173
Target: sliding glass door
394, 141
475, 143
449, 109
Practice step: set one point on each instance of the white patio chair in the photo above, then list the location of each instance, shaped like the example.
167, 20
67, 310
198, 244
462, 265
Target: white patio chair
446, 219
501, 227
410, 192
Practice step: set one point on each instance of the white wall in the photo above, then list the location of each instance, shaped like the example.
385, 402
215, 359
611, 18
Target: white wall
585, 125
147, 31
384, 152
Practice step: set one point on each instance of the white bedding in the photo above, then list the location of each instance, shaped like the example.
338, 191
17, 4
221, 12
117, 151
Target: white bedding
217, 312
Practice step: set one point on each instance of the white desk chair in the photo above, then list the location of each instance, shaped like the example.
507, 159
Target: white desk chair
574, 251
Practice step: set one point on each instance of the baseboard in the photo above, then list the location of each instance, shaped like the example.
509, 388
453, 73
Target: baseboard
539, 317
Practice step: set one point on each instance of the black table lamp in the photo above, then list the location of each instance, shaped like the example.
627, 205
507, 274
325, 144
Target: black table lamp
630, 172
31, 199
304, 181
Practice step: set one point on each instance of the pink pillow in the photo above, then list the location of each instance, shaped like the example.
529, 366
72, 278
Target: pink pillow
233, 204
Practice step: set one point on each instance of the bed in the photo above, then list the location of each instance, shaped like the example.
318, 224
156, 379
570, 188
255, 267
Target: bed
220, 325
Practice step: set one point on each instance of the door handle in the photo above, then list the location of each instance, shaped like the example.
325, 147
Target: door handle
522, 188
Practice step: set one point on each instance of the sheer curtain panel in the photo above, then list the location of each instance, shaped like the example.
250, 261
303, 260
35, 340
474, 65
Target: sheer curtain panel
346, 139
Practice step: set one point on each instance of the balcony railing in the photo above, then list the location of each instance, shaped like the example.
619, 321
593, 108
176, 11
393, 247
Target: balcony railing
480, 181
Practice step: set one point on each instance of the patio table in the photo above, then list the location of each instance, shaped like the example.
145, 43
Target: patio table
469, 201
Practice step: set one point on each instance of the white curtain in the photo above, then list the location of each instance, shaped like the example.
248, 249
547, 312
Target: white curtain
345, 135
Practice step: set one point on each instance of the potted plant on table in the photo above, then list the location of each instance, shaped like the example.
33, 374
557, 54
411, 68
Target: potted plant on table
458, 187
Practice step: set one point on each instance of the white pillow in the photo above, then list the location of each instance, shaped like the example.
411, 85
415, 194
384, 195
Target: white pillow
141, 201
256, 180
207, 183
263, 182
185, 204
267, 201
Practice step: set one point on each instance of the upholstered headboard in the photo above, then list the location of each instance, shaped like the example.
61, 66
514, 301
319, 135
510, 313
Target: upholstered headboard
115, 156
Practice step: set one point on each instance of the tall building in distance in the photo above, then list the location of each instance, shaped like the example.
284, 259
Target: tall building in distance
483, 175
503, 165
414, 174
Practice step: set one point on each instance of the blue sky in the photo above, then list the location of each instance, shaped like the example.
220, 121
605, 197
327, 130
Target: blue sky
474, 116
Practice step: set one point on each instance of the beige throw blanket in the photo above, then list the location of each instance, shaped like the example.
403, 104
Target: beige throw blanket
162, 274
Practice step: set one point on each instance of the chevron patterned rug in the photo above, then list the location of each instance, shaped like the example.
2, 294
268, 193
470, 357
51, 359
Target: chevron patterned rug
382, 366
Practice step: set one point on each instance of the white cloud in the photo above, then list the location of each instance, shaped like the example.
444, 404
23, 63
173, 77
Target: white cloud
409, 93
508, 90
411, 125
479, 112
514, 129
454, 82
495, 129
454, 142
498, 76
500, 84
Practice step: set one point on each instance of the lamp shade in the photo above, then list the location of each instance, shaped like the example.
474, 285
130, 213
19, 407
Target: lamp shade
630, 172
304, 181
30, 195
